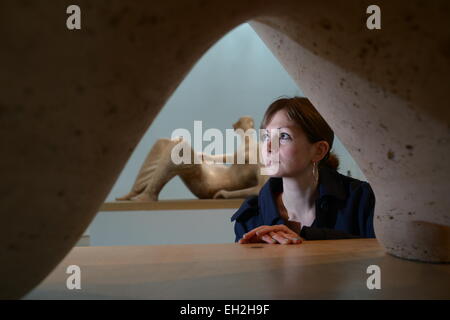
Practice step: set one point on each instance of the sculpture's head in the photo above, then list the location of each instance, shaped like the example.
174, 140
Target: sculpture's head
303, 137
244, 123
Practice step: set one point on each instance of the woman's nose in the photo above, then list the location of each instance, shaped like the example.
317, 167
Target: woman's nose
274, 142
272, 145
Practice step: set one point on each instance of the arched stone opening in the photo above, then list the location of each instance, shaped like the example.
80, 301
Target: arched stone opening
76, 103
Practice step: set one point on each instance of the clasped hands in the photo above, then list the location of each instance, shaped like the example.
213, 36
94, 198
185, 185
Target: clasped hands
277, 234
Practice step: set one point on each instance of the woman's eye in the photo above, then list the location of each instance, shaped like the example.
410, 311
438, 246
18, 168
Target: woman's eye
285, 136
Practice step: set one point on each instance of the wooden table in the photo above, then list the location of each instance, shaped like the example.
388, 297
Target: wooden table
311, 270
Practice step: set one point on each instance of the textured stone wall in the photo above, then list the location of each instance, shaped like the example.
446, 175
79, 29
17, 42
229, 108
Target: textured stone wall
74, 104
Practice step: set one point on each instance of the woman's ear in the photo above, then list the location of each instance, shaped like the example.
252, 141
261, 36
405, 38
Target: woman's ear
322, 148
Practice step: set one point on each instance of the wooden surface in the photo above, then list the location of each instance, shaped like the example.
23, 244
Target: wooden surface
312, 270
187, 204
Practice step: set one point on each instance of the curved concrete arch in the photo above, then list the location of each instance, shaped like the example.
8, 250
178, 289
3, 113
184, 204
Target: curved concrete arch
74, 104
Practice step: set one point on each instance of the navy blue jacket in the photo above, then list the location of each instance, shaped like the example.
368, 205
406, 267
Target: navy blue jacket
344, 208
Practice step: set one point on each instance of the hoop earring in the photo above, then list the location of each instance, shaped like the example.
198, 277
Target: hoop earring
314, 171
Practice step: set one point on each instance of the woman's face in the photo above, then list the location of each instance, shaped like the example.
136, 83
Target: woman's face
294, 153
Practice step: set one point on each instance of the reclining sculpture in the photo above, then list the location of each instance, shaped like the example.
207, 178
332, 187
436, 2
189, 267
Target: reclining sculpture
207, 176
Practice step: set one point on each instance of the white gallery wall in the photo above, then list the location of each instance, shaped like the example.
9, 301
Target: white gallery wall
238, 76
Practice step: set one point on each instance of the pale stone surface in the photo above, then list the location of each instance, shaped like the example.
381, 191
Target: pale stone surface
74, 104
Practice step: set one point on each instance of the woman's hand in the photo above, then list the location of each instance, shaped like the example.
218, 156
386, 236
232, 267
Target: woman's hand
271, 234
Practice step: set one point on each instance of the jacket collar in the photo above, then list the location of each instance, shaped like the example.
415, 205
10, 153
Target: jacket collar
330, 184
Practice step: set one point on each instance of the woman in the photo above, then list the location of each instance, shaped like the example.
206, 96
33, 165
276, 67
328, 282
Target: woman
306, 198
